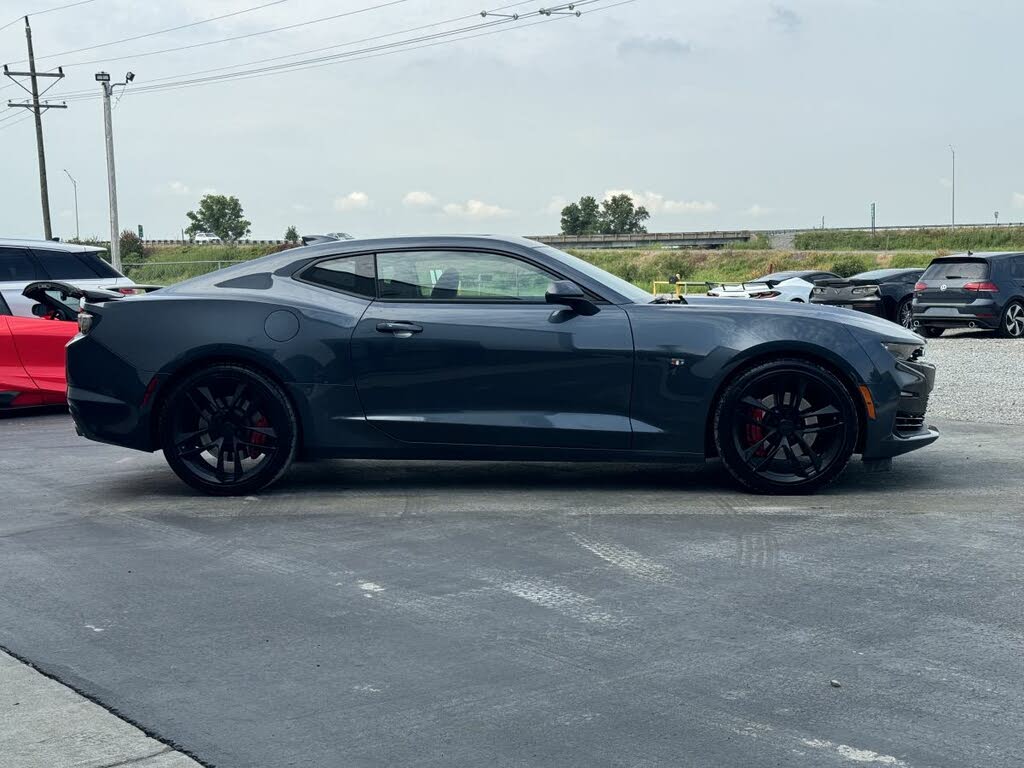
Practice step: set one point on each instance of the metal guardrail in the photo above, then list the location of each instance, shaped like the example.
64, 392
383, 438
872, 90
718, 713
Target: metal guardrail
680, 288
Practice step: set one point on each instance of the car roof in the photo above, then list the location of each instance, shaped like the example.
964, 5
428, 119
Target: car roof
981, 255
49, 245
890, 272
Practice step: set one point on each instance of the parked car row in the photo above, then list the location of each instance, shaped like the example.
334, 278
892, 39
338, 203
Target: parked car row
972, 290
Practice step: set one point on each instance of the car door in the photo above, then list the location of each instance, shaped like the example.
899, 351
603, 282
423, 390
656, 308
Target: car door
16, 386
17, 269
460, 348
40, 345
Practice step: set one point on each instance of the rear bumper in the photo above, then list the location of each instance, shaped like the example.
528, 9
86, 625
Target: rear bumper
873, 306
982, 313
907, 429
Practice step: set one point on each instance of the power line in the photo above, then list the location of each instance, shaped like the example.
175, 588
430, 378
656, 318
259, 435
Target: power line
12, 123
48, 10
164, 31
223, 39
400, 46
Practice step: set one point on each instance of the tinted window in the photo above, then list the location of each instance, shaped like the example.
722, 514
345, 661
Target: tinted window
352, 274
888, 275
16, 265
61, 265
1017, 268
97, 264
459, 275
627, 289
957, 270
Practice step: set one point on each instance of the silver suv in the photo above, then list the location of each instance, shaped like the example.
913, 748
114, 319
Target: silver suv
26, 261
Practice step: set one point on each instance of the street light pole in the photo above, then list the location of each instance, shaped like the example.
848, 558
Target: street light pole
108, 129
74, 185
953, 214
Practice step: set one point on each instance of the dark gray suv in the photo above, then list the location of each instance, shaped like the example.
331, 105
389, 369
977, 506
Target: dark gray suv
972, 290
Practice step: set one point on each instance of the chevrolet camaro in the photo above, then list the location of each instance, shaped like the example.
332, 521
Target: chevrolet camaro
485, 348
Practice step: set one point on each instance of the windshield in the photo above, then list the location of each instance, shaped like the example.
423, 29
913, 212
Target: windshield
617, 284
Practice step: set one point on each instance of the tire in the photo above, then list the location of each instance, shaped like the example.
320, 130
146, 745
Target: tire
797, 448
931, 332
1011, 324
222, 403
905, 314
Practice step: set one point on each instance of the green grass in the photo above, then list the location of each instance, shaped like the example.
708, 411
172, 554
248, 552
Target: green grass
949, 239
165, 265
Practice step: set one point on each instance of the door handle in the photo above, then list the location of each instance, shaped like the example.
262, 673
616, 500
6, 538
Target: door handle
399, 330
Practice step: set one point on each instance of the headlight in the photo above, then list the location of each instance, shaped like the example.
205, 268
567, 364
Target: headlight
904, 351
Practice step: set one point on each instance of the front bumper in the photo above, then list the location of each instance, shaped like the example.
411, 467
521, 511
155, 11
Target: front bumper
906, 429
982, 313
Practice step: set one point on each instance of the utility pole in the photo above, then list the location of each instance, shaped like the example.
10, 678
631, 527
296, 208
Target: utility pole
953, 214
872, 218
108, 129
74, 184
37, 108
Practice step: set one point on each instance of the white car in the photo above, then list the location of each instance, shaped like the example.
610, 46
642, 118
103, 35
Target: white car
28, 261
206, 238
795, 285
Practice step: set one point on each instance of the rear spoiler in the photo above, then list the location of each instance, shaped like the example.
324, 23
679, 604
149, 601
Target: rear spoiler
70, 291
749, 287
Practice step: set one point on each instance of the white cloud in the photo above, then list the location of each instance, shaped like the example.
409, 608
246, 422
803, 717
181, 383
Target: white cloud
419, 199
657, 203
757, 210
178, 188
555, 206
352, 201
475, 209
1018, 199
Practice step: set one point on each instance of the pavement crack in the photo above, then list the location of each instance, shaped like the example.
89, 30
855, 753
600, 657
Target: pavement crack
137, 760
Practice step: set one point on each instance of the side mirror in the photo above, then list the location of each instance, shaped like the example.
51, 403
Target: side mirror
39, 310
567, 293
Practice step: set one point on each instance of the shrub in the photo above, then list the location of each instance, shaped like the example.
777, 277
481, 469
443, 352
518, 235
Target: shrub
291, 235
131, 247
848, 266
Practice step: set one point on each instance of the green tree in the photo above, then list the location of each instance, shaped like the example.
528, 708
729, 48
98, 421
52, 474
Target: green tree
849, 265
582, 218
291, 235
620, 216
221, 215
131, 246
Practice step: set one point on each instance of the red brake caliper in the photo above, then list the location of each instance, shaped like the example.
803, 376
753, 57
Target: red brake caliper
257, 438
754, 431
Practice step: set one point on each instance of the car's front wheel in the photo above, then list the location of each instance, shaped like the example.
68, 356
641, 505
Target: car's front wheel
228, 430
787, 426
1012, 324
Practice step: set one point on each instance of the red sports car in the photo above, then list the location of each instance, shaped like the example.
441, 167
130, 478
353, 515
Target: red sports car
32, 348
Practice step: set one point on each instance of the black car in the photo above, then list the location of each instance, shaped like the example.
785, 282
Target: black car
972, 290
887, 293
485, 348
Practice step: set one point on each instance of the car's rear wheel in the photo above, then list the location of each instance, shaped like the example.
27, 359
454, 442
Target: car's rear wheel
1011, 326
787, 426
905, 314
228, 430
930, 331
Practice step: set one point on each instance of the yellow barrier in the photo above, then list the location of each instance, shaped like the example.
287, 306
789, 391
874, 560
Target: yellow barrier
679, 289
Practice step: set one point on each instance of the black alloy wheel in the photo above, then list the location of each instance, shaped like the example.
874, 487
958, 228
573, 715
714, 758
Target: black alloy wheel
787, 426
905, 314
228, 430
1011, 326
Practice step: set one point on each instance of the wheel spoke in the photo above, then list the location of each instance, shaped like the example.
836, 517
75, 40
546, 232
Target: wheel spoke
772, 449
808, 451
753, 402
238, 459
268, 431
749, 453
801, 390
184, 443
828, 410
221, 452
780, 392
791, 456
200, 408
821, 428
190, 452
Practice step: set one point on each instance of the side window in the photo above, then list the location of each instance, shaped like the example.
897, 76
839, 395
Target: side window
351, 274
17, 266
62, 265
96, 263
459, 276
1018, 267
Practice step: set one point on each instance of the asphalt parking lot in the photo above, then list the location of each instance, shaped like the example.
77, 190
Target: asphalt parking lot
375, 614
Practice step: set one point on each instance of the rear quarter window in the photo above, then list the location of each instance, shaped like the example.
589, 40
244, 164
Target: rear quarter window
957, 270
96, 263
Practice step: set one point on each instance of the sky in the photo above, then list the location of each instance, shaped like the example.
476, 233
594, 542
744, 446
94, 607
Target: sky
714, 114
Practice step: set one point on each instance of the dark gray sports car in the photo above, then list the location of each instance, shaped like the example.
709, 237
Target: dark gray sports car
485, 348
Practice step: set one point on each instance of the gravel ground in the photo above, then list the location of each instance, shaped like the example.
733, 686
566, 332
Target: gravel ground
978, 378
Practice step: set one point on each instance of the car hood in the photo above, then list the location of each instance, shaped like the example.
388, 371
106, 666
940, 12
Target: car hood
850, 318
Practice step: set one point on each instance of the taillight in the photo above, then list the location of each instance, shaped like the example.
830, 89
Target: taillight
127, 291
920, 286
84, 322
988, 286
765, 295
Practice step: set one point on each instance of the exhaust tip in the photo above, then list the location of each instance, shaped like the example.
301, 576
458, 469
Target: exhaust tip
917, 323
971, 325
